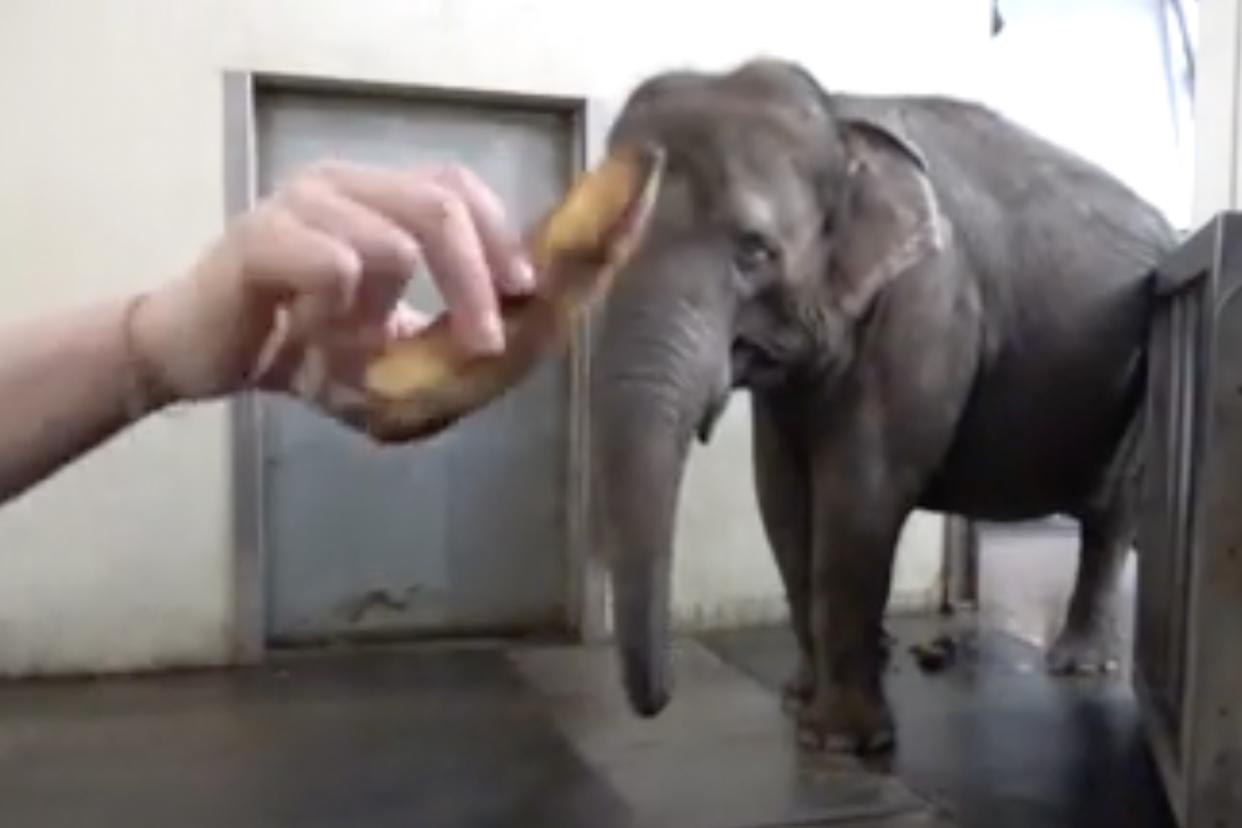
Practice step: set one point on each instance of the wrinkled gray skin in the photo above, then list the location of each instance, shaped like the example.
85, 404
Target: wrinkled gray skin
931, 308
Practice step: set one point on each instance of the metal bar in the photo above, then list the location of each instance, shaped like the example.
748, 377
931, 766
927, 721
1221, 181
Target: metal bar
246, 444
1161, 739
960, 556
586, 571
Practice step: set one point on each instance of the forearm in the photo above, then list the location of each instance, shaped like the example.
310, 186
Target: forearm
67, 384
339, 242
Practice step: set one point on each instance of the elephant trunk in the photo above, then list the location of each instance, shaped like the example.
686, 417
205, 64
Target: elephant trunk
655, 383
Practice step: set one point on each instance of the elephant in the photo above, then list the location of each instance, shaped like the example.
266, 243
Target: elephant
930, 306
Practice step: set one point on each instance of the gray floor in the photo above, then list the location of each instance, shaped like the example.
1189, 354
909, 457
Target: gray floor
489, 736
992, 738
423, 736
384, 739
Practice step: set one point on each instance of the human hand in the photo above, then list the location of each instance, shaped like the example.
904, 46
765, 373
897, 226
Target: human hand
324, 262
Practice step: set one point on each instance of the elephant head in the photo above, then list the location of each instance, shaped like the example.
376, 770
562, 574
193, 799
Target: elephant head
780, 221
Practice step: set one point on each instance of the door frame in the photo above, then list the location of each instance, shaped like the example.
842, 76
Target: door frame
586, 590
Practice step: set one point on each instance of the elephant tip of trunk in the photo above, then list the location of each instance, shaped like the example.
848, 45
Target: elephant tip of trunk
649, 706
648, 691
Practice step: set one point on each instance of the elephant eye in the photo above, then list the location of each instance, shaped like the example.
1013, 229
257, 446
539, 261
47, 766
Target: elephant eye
753, 252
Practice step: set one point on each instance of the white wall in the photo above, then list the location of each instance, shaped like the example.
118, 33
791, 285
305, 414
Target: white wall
1092, 75
111, 161
724, 574
1218, 101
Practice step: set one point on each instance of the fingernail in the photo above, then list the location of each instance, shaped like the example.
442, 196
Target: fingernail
409, 251
522, 275
347, 261
351, 271
492, 334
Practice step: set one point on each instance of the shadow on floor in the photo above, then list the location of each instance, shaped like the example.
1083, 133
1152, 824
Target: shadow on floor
385, 738
540, 736
994, 739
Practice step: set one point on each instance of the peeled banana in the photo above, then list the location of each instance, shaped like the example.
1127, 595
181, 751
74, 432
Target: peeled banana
422, 384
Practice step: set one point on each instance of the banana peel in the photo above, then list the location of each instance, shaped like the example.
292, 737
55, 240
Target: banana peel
425, 383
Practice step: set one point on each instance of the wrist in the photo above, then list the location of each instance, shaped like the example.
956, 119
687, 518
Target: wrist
148, 389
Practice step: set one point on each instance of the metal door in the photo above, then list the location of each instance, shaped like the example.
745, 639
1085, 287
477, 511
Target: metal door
1188, 657
466, 532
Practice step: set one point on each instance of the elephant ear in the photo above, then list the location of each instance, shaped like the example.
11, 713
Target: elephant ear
888, 220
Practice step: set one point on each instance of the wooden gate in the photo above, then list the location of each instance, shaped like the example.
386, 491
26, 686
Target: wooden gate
1188, 647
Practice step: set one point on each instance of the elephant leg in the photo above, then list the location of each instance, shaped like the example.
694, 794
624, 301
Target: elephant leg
783, 489
855, 539
1089, 641
879, 437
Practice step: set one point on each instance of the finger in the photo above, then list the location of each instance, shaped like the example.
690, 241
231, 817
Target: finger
501, 244
284, 255
387, 251
459, 267
443, 227
405, 321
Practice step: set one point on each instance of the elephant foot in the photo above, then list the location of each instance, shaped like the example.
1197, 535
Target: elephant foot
797, 692
1083, 652
847, 720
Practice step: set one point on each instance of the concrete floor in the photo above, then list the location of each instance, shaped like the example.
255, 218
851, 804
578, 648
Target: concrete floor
992, 739
492, 736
